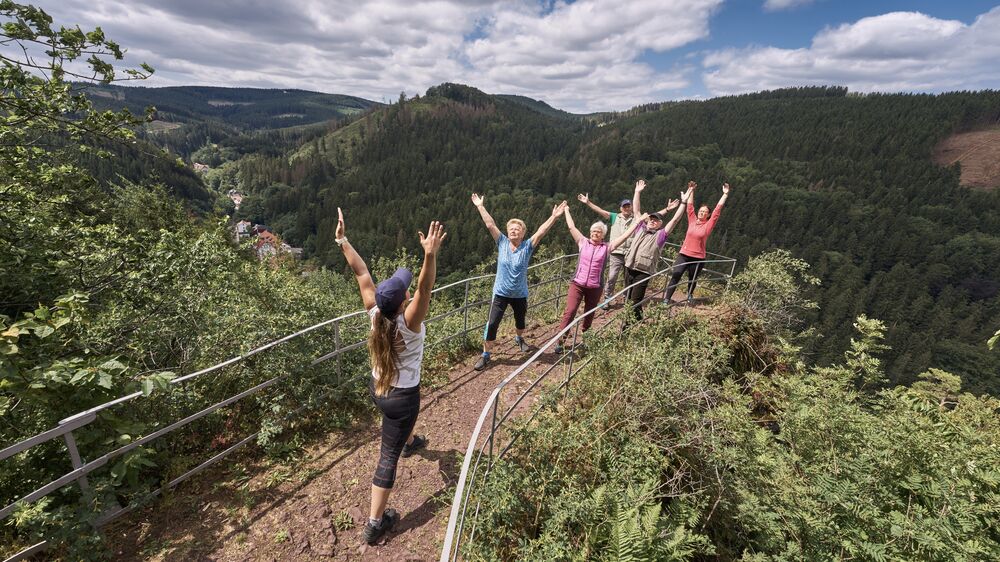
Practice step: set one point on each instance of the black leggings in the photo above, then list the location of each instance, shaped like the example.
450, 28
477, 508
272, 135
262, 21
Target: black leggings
399, 414
685, 263
498, 307
636, 294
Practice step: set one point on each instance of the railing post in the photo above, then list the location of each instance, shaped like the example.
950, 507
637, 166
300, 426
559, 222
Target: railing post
74, 457
493, 431
572, 355
732, 270
558, 292
465, 310
336, 344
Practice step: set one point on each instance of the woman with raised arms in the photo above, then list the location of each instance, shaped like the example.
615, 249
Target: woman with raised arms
511, 285
396, 345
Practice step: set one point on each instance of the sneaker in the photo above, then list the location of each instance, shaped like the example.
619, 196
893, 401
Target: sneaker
558, 349
419, 442
482, 363
606, 305
372, 534
523, 345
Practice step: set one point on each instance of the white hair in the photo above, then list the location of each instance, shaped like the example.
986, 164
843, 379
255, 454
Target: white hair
600, 225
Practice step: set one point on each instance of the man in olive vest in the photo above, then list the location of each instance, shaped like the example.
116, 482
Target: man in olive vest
647, 240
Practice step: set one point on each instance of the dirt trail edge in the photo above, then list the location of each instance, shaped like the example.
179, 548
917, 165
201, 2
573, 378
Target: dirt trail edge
315, 511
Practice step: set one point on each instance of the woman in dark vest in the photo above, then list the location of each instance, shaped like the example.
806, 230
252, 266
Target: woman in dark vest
648, 238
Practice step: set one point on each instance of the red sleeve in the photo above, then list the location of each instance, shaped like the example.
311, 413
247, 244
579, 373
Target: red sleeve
716, 213
690, 209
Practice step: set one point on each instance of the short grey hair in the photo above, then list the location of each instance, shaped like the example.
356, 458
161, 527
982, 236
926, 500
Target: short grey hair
600, 225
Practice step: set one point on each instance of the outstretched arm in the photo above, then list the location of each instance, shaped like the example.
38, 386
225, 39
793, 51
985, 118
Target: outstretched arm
577, 235
690, 202
417, 310
478, 201
641, 220
725, 195
585, 199
557, 210
717, 212
639, 186
677, 217
365, 283
686, 196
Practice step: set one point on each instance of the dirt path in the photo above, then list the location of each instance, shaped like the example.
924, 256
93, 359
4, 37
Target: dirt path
315, 509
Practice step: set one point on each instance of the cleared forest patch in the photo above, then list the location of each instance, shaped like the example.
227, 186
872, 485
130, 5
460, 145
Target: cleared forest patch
979, 153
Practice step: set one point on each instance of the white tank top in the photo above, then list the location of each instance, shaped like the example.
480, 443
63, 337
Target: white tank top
410, 348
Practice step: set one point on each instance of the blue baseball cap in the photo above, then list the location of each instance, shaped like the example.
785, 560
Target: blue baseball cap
391, 293
625, 202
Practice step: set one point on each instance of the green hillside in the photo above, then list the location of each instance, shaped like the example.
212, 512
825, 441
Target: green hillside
241, 108
845, 182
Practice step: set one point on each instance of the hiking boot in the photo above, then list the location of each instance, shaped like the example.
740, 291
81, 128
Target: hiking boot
372, 534
522, 345
482, 363
419, 442
559, 349
606, 305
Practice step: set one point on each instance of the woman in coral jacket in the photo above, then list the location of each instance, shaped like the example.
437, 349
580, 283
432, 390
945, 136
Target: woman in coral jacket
691, 258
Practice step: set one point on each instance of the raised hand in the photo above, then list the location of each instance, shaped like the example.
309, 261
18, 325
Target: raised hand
692, 185
558, 209
640, 185
672, 204
643, 217
340, 223
583, 198
435, 236
725, 189
478, 199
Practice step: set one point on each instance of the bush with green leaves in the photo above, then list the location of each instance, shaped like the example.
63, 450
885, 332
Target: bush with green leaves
672, 446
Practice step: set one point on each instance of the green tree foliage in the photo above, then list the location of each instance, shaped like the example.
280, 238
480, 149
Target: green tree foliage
111, 288
669, 448
844, 182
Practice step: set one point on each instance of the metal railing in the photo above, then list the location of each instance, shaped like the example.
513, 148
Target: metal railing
482, 445
82, 468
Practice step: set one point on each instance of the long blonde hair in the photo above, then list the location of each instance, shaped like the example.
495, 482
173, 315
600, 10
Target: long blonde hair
383, 348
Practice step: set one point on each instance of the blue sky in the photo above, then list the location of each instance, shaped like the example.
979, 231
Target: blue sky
581, 56
746, 23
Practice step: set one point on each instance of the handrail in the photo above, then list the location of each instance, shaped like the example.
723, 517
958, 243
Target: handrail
463, 488
81, 469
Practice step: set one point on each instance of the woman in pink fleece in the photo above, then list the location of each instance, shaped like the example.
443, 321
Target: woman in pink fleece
692, 255
588, 281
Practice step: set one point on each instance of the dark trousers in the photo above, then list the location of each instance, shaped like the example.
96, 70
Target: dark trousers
399, 415
590, 297
636, 294
684, 263
498, 307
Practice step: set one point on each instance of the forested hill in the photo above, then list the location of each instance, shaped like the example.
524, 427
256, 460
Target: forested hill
241, 108
845, 182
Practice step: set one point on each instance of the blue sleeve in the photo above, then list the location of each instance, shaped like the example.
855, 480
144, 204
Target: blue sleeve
500, 241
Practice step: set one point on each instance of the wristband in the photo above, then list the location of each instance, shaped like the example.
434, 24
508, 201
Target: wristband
340, 241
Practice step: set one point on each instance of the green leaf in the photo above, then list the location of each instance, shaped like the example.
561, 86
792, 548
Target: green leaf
113, 365
44, 331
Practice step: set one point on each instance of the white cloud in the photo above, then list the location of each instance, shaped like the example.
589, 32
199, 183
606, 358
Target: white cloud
586, 54
582, 56
899, 51
776, 5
